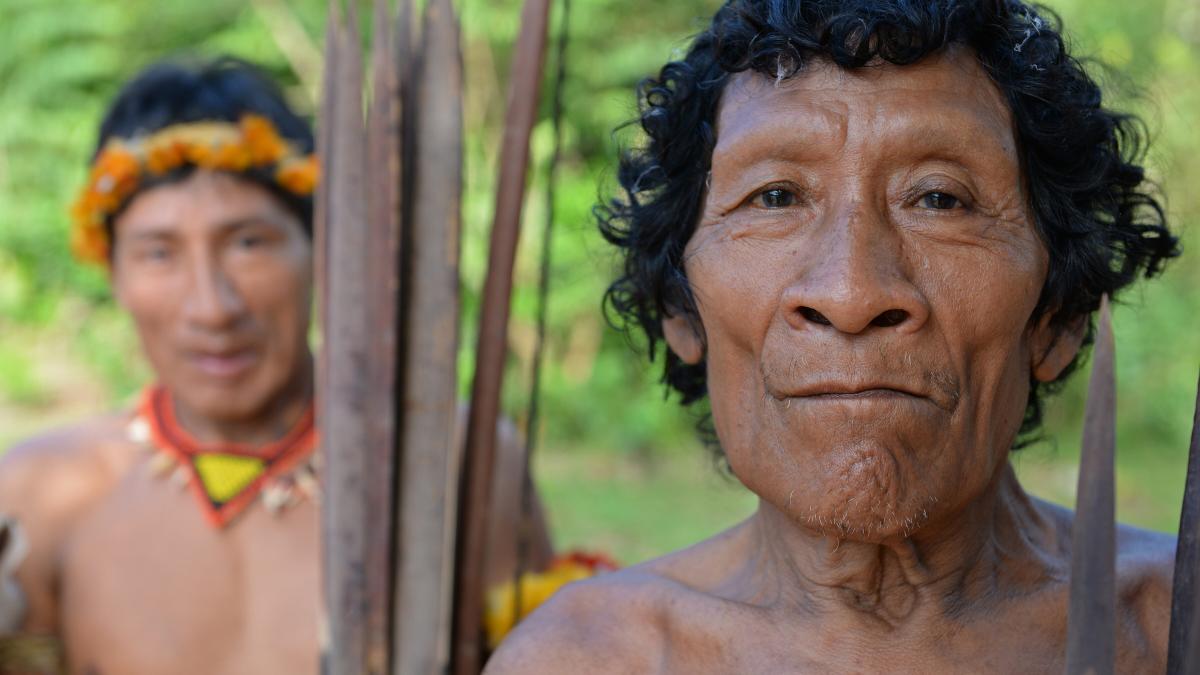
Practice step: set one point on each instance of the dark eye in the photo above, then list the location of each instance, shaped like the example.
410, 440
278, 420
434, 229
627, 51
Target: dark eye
940, 201
777, 198
154, 253
249, 241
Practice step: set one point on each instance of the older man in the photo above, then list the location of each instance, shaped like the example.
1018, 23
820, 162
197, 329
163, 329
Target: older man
872, 234
182, 536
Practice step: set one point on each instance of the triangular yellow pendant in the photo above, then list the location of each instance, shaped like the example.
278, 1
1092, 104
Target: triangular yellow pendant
224, 476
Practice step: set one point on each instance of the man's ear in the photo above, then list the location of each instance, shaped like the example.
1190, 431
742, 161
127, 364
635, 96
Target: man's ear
683, 337
1055, 346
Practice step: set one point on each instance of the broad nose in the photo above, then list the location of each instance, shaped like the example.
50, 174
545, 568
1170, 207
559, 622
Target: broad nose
856, 280
213, 301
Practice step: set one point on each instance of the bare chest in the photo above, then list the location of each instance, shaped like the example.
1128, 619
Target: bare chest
148, 587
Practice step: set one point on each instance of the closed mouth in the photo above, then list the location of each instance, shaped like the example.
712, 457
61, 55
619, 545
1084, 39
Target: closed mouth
831, 392
876, 392
224, 365
863, 383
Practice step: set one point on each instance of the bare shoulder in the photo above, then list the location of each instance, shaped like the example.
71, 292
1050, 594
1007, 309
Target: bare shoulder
57, 467
1145, 559
1145, 552
614, 623
1145, 569
47, 480
1145, 566
46, 484
622, 622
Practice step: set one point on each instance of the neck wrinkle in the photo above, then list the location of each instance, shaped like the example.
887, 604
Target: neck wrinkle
944, 570
273, 422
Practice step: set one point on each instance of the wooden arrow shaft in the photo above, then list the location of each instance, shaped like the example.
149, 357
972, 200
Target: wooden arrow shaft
381, 261
345, 387
430, 461
1091, 621
1183, 650
479, 460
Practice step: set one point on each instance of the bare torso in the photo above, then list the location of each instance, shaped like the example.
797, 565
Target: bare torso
125, 570
690, 612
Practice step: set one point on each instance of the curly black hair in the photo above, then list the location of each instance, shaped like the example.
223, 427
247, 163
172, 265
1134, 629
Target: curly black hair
221, 89
1095, 211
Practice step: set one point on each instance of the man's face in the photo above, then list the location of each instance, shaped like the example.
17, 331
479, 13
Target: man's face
865, 271
217, 274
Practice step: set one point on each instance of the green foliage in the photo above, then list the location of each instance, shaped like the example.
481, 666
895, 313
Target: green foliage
61, 62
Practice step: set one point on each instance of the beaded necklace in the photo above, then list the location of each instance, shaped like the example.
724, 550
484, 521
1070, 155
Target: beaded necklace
226, 478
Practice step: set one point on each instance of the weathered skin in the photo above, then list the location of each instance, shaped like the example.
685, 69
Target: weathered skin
865, 271
122, 565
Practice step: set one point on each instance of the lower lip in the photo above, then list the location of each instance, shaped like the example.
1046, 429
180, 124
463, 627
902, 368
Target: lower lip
224, 367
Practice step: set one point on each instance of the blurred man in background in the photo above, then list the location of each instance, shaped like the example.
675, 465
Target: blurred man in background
182, 536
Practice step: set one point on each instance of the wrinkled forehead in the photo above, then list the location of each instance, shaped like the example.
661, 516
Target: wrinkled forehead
946, 97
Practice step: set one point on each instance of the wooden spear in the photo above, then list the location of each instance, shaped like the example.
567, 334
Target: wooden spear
1183, 649
1091, 618
388, 213
382, 289
475, 492
345, 388
430, 457
321, 218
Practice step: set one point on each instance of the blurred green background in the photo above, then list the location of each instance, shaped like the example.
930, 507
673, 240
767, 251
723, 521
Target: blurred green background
618, 463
